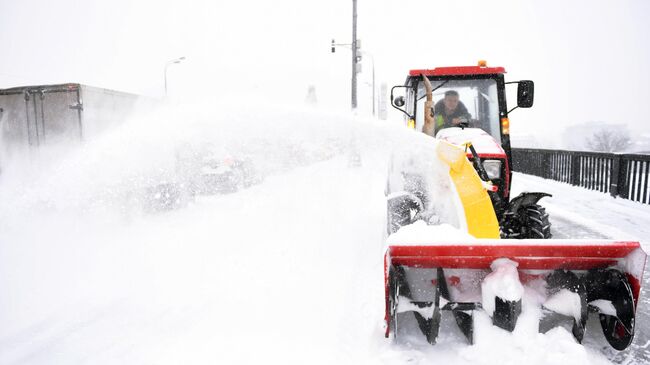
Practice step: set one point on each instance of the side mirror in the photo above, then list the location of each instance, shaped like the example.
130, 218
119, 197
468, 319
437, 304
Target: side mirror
398, 102
525, 93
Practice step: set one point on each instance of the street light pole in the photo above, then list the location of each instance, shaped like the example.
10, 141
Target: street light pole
372, 59
169, 63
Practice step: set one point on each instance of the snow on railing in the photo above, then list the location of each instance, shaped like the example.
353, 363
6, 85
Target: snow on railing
621, 175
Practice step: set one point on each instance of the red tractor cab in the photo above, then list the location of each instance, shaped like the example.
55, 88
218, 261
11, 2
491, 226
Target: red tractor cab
481, 115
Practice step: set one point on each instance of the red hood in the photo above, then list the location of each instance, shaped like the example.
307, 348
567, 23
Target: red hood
485, 145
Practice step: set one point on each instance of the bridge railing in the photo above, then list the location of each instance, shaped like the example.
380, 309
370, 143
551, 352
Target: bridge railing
622, 175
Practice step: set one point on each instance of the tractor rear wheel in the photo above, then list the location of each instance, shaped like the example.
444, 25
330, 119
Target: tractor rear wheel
528, 222
537, 222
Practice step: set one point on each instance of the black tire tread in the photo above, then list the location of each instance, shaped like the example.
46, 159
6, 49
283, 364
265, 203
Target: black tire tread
529, 222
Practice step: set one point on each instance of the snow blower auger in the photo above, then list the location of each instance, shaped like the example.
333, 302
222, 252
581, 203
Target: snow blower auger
428, 271
422, 280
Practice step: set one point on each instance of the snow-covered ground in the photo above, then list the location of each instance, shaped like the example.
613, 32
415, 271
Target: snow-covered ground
607, 216
287, 271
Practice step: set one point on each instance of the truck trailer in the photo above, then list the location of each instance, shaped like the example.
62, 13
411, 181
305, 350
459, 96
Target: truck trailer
35, 116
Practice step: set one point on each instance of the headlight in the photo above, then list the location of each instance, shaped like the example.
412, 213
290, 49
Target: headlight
493, 168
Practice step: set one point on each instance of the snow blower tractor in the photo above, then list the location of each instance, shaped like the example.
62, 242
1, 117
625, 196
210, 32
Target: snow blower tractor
504, 252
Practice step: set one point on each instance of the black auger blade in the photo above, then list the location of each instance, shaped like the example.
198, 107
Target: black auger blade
563, 279
612, 285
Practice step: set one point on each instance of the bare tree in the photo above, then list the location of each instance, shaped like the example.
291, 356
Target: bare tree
609, 140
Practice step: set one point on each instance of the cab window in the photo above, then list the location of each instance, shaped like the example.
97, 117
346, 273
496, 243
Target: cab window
479, 96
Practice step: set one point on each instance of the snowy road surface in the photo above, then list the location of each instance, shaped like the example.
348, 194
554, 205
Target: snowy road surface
287, 271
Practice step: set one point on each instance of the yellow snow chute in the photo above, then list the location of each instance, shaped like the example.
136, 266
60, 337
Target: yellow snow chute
479, 212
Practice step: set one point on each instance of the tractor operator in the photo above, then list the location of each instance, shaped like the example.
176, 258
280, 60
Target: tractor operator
449, 111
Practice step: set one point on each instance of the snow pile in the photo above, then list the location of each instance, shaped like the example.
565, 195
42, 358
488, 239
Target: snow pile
604, 307
418, 169
481, 140
404, 304
422, 233
502, 282
525, 346
565, 302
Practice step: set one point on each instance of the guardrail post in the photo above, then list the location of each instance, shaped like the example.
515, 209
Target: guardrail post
575, 169
546, 166
623, 182
619, 185
615, 176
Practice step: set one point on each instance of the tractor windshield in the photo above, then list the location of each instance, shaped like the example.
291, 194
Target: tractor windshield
477, 101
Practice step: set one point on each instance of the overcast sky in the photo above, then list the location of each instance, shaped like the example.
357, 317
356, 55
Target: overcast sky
589, 59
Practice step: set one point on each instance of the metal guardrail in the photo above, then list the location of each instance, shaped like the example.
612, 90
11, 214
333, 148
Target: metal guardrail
622, 175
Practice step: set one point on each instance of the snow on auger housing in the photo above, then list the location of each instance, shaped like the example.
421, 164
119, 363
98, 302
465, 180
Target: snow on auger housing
508, 246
